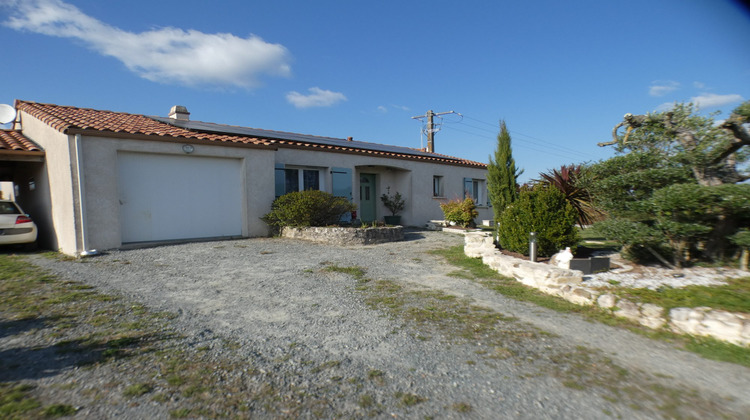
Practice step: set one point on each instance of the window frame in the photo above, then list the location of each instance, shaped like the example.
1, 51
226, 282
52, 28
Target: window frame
438, 186
301, 182
476, 189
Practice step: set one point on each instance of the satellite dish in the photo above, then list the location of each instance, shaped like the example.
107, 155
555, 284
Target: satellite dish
7, 114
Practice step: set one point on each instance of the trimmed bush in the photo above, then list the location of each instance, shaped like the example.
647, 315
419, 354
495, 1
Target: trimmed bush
543, 210
460, 212
307, 208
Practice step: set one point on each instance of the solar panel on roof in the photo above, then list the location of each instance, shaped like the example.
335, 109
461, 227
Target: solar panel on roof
214, 128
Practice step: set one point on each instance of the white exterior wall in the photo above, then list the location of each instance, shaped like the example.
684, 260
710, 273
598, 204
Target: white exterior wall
102, 195
57, 188
413, 179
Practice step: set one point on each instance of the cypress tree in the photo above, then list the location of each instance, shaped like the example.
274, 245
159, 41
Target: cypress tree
502, 174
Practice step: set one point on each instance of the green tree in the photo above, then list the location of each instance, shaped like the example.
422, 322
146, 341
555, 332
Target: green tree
676, 186
502, 174
570, 180
541, 209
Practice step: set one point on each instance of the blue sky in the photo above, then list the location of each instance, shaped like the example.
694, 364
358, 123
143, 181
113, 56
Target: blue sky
561, 74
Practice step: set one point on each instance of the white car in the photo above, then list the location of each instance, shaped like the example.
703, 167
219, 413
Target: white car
16, 227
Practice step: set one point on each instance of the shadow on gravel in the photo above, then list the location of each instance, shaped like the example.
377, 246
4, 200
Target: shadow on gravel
35, 362
18, 326
412, 235
19, 249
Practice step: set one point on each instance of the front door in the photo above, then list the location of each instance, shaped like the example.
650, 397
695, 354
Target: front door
367, 197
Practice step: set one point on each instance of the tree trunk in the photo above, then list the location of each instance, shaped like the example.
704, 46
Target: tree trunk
660, 258
718, 242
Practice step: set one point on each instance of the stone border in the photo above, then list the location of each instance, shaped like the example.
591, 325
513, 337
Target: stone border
345, 235
722, 325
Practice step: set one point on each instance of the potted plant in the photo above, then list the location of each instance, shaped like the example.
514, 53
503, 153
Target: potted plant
394, 203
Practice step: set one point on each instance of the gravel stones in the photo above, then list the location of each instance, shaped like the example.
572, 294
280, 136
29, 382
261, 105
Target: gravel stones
304, 328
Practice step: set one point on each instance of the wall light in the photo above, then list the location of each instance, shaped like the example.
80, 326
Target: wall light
188, 148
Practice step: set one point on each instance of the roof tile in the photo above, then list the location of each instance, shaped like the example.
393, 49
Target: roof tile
13, 140
67, 119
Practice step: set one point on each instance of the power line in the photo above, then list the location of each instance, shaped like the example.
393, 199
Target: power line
558, 153
431, 127
547, 148
547, 144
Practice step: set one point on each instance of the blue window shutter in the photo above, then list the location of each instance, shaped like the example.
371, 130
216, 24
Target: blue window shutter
341, 180
341, 186
280, 180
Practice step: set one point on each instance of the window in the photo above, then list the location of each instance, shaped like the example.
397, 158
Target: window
291, 180
296, 179
8, 207
310, 179
437, 186
475, 189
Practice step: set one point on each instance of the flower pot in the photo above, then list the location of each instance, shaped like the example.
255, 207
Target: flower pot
392, 220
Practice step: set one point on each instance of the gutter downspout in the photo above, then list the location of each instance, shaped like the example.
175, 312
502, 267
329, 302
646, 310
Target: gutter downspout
85, 252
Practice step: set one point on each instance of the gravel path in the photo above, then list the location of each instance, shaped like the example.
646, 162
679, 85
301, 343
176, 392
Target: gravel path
272, 297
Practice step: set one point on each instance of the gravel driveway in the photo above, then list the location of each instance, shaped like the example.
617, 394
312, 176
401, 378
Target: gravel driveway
274, 298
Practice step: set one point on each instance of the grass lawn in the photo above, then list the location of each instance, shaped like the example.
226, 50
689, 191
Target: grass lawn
733, 297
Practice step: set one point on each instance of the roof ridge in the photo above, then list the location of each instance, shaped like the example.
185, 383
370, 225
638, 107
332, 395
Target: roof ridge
253, 128
71, 119
43, 115
271, 137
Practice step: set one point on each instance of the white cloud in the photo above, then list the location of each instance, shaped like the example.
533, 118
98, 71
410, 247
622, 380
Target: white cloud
711, 100
705, 100
662, 87
666, 106
699, 85
168, 55
385, 109
317, 98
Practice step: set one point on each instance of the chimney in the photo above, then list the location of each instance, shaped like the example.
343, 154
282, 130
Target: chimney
349, 139
179, 112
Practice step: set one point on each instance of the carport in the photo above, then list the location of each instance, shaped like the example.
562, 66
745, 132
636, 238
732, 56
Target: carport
22, 163
17, 154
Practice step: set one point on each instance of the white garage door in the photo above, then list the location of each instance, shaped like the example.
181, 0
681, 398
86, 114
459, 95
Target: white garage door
165, 197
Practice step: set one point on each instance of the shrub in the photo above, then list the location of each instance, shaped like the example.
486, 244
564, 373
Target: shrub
543, 210
460, 212
394, 203
307, 208
570, 180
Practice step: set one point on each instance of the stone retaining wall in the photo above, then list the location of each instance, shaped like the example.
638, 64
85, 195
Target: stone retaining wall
722, 325
346, 235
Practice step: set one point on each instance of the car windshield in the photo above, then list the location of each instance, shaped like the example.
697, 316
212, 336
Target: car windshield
7, 207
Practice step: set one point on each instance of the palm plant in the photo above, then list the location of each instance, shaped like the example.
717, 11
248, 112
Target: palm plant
566, 179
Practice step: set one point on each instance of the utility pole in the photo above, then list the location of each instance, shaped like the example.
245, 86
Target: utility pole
431, 127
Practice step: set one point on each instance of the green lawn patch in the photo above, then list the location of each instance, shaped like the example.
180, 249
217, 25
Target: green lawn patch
735, 297
732, 297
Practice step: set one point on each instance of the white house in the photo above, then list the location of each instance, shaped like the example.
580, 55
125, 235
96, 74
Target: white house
95, 179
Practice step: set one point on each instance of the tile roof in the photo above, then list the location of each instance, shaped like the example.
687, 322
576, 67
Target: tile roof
419, 154
73, 120
14, 141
